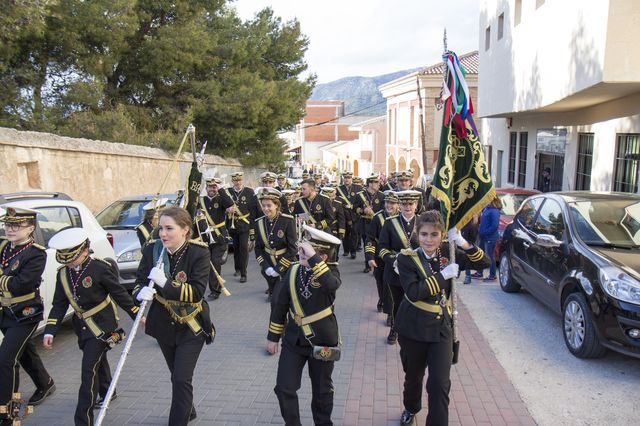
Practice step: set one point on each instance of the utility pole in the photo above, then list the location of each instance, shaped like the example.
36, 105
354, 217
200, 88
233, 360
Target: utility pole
422, 130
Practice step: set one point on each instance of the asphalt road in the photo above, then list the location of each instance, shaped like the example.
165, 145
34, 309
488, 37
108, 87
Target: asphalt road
558, 388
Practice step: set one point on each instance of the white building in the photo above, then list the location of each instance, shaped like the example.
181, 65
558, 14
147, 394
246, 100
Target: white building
559, 87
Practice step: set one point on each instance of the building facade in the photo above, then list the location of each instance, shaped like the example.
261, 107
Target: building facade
559, 90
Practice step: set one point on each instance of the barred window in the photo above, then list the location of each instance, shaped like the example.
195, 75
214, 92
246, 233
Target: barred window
625, 175
513, 146
585, 159
522, 169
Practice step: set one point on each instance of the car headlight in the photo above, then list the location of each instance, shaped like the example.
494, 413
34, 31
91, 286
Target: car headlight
131, 256
618, 284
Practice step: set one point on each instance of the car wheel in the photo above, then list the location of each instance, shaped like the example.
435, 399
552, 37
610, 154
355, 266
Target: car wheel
579, 332
507, 284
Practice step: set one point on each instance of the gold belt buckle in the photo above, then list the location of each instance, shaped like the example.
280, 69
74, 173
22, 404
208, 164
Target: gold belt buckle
297, 319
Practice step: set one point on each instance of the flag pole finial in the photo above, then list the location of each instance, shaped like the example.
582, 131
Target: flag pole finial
444, 39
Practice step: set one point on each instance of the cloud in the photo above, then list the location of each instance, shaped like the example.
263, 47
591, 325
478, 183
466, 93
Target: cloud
373, 37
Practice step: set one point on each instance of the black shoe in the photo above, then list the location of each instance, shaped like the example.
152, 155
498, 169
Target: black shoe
213, 296
407, 418
392, 339
367, 269
40, 394
379, 306
389, 321
100, 401
193, 414
359, 249
243, 279
236, 273
345, 254
353, 255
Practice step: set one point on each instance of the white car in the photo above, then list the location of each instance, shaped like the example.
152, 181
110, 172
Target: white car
57, 211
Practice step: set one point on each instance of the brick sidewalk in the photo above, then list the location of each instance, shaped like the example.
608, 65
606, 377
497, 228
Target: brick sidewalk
234, 379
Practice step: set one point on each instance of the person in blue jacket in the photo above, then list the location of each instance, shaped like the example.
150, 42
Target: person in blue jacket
488, 234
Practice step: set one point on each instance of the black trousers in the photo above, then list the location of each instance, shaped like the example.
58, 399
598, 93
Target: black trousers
378, 274
416, 357
181, 359
95, 378
349, 242
271, 282
17, 349
240, 250
217, 253
395, 293
290, 366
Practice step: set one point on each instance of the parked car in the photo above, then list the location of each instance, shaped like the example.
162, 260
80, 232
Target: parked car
121, 218
512, 199
579, 254
57, 211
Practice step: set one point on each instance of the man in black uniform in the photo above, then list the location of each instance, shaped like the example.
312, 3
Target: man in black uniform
213, 206
391, 182
371, 248
398, 233
338, 226
367, 203
90, 285
282, 182
315, 208
145, 230
405, 183
311, 335
268, 180
240, 218
317, 177
347, 193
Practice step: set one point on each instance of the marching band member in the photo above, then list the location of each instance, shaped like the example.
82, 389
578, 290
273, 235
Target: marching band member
338, 225
178, 317
423, 321
282, 182
288, 195
368, 202
268, 180
347, 193
275, 238
213, 206
398, 233
22, 263
311, 335
371, 249
390, 185
90, 285
404, 181
240, 223
316, 208
145, 230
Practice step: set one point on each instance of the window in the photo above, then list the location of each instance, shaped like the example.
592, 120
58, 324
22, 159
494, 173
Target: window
528, 212
517, 15
51, 220
500, 26
625, 175
522, 169
550, 220
513, 142
585, 159
487, 38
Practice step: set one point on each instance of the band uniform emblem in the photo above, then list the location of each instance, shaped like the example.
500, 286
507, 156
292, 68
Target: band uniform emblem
216, 205
28, 311
325, 352
353, 193
318, 207
280, 233
87, 282
314, 283
181, 277
444, 261
15, 265
243, 198
376, 201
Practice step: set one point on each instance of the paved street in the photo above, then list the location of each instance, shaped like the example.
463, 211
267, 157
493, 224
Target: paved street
235, 377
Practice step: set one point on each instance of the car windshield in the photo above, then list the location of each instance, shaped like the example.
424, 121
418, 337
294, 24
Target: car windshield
607, 222
511, 203
122, 214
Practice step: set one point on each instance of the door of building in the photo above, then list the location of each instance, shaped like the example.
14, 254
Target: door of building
555, 163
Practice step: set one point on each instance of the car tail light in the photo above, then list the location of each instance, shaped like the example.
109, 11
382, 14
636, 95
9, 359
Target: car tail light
110, 238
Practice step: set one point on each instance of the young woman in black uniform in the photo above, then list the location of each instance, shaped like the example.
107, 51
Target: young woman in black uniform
178, 317
423, 321
22, 263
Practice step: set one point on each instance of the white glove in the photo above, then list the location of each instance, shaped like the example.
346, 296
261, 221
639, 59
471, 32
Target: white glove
157, 276
146, 293
456, 237
450, 271
395, 266
271, 272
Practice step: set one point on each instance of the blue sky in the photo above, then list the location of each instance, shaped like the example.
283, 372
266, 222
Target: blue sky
373, 37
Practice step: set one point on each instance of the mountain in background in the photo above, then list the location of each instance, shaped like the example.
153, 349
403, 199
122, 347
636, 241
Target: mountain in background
358, 92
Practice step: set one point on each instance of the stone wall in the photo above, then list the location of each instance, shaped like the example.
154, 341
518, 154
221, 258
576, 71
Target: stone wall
98, 172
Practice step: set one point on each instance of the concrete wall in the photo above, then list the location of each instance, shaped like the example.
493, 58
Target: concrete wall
97, 172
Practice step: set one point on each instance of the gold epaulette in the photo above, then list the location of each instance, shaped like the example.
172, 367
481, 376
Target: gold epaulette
151, 241
286, 215
101, 260
408, 252
198, 243
322, 195
38, 246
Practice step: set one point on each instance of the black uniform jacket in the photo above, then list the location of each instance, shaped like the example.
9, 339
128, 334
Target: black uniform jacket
89, 288
424, 285
21, 271
319, 209
339, 224
189, 267
365, 199
347, 194
247, 204
396, 235
373, 233
276, 242
214, 210
323, 281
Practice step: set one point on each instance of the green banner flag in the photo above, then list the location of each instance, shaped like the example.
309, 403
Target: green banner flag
462, 181
192, 193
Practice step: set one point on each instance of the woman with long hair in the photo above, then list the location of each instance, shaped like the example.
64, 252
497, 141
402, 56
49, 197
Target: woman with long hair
179, 316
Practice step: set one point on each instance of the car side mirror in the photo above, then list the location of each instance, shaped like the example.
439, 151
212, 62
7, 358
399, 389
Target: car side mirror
548, 241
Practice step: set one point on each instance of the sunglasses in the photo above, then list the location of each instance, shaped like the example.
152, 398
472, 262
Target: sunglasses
14, 226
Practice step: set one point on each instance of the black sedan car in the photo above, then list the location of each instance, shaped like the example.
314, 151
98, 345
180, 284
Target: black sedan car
579, 254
